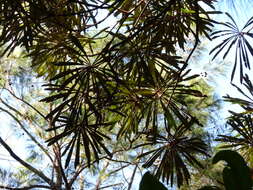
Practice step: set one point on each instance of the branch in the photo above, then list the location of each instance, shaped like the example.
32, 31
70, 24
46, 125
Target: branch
83, 166
58, 167
132, 178
196, 35
25, 164
25, 188
104, 187
121, 161
100, 177
118, 169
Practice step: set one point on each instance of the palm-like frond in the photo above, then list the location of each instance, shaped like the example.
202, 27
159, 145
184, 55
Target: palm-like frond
90, 92
173, 155
247, 103
133, 77
240, 123
234, 37
243, 125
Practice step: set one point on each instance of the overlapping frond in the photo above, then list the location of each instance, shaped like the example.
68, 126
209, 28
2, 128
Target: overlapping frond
117, 77
241, 123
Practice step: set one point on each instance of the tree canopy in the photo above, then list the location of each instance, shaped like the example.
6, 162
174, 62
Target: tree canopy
113, 73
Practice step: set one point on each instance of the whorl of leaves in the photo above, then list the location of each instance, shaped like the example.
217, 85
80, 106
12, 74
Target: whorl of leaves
243, 125
234, 38
174, 152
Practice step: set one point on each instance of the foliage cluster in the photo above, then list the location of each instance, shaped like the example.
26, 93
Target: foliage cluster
121, 87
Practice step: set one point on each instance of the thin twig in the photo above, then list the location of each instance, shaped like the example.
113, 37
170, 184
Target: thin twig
110, 186
132, 178
25, 188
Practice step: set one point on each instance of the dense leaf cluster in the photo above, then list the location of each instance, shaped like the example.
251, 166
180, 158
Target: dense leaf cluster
121, 77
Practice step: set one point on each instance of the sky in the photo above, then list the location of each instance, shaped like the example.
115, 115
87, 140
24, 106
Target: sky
241, 12
221, 83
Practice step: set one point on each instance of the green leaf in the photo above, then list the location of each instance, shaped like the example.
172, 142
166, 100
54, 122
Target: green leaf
238, 168
230, 179
77, 43
150, 182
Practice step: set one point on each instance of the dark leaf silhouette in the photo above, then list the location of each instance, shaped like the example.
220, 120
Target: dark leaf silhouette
172, 154
234, 38
150, 182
